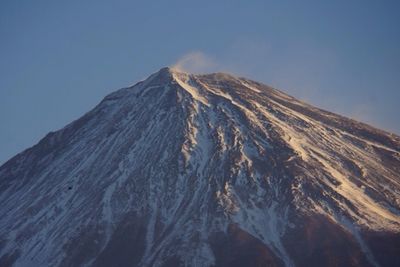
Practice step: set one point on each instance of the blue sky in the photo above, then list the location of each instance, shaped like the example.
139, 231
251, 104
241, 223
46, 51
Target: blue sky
60, 58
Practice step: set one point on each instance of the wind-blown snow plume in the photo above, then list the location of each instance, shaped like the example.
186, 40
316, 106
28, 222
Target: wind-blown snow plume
196, 62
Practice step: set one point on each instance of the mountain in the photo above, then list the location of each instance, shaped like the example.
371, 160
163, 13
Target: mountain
203, 170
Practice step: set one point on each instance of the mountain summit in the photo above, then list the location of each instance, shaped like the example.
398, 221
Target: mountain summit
203, 170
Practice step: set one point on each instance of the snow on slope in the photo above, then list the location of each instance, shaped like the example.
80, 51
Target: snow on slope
179, 167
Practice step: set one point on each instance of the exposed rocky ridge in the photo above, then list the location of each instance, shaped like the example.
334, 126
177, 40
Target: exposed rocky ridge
203, 170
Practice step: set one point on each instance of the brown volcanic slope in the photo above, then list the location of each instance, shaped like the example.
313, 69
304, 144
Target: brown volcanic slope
203, 170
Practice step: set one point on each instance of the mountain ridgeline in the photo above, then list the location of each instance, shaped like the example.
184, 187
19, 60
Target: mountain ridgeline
203, 170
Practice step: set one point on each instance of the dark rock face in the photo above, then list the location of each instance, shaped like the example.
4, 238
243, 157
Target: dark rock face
238, 248
203, 170
320, 242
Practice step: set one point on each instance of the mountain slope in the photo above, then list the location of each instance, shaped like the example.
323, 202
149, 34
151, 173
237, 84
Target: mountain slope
203, 170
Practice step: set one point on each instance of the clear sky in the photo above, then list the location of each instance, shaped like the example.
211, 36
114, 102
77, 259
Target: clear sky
60, 58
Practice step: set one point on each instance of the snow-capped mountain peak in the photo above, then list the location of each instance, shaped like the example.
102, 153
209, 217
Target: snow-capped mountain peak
203, 170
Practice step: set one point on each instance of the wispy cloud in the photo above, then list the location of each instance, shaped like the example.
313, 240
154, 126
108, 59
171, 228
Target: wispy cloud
196, 62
